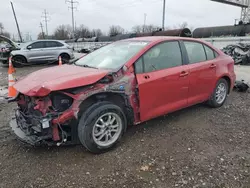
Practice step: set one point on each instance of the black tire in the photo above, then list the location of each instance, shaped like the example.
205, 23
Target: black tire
19, 61
212, 102
88, 120
65, 58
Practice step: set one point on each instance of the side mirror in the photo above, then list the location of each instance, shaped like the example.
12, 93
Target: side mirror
29, 47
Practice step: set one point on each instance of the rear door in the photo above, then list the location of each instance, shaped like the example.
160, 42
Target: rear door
52, 49
162, 80
36, 52
202, 67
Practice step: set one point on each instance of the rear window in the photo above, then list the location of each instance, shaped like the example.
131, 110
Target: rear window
211, 54
53, 44
195, 52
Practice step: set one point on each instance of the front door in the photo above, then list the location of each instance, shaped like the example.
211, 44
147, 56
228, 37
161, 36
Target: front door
35, 52
162, 80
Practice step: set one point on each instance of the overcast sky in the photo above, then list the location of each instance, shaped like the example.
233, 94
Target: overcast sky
126, 13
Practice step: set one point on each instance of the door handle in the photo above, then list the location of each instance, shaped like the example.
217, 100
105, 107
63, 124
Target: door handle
146, 76
184, 73
212, 66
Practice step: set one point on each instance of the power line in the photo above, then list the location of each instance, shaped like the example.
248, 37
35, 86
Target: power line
41, 25
46, 20
72, 7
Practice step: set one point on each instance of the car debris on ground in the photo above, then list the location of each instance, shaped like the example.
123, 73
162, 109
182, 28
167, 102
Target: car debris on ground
239, 52
241, 86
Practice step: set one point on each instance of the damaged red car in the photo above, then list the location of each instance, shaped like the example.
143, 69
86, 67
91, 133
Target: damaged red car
94, 100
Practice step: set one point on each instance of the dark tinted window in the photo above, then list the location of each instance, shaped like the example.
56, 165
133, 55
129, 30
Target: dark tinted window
53, 44
37, 45
209, 52
195, 52
162, 56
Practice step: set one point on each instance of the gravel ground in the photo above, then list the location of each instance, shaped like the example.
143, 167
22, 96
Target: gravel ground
194, 147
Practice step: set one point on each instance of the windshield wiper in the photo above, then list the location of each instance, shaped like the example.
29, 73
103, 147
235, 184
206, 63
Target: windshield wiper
88, 66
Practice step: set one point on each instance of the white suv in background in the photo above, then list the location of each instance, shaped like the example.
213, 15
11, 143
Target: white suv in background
42, 51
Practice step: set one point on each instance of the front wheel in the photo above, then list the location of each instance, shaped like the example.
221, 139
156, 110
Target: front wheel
101, 127
19, 61
219, 95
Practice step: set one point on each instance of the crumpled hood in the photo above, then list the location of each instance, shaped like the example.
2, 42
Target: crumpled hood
42, 82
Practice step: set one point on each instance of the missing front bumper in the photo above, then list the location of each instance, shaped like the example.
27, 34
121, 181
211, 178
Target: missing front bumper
22, 136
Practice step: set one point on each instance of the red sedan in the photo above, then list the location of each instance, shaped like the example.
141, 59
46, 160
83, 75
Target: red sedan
125, 83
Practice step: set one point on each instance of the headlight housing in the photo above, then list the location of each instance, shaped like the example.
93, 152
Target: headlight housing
60, 101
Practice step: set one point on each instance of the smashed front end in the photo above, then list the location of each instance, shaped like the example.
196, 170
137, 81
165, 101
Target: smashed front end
45, 120
5, 50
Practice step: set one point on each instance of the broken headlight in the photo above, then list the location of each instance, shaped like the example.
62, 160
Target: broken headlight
61, 102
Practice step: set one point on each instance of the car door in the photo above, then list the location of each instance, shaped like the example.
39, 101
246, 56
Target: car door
202, 69
35, 52
52, 49
162, 80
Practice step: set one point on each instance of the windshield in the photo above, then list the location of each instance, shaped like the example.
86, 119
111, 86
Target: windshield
113, 55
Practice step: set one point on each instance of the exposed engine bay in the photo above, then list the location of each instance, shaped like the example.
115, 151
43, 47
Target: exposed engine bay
53, 119
44, 120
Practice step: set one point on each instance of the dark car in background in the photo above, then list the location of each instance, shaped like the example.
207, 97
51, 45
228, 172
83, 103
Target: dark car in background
6, 47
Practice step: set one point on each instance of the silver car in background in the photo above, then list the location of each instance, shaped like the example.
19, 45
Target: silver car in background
42, 51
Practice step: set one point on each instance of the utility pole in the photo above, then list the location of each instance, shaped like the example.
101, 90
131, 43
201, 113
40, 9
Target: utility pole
72, 7
41, 25
46, 19
144, 24
18, 29
163, 14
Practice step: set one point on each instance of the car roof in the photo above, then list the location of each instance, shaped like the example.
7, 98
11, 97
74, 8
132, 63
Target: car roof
160, 38
44, 40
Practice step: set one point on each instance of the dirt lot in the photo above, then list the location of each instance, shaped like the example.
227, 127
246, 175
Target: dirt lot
195, 147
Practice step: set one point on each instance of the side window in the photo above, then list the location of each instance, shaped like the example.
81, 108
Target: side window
209, 52
36, 45
139, 66
58, 44
195, 52
162, 56
51, 44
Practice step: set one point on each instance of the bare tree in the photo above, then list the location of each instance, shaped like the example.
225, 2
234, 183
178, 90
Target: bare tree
82, 32
115, 30
6, 34
144, 28
1, 27
2, 32
183, 25
96, 33
41, 35
137, 28
62, 32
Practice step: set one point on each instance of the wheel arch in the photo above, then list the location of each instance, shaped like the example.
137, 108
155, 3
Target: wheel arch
229, 81
64, 53
20, 55
118, 99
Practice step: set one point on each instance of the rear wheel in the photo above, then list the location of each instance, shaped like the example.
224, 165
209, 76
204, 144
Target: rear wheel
219, 95
19, 61
101, 127
65, 58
